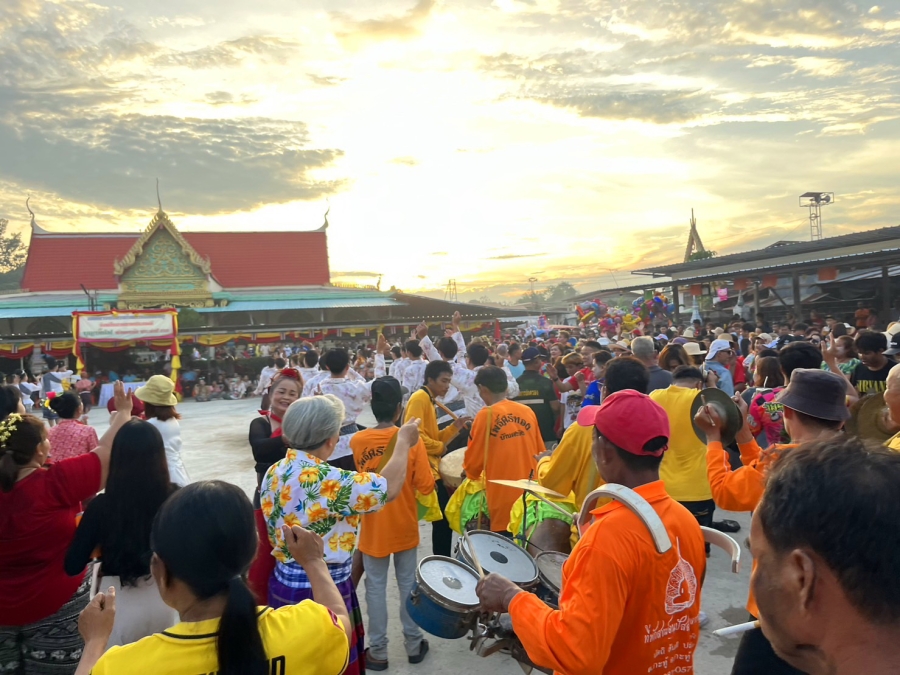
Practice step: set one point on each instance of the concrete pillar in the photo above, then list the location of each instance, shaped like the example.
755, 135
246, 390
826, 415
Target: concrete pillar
798, 306
676, 303
885, 296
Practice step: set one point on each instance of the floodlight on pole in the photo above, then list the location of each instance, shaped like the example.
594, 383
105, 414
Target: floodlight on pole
814, 201
532, 281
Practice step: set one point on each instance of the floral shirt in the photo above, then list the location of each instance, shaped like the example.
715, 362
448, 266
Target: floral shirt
303, 490
767, 415
71, 438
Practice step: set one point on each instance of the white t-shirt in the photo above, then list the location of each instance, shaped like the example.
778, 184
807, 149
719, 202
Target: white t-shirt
170, 431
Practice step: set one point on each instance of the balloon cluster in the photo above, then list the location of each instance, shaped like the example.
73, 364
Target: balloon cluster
641, 310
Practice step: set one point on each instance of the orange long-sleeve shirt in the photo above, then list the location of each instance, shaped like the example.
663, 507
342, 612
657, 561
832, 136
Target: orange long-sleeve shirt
421, 405
742, 489
624, 608
394, 528
515, 440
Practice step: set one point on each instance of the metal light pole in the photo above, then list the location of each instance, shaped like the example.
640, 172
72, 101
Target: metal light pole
814, 201
534, 299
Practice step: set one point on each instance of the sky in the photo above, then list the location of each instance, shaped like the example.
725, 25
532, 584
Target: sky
485, 141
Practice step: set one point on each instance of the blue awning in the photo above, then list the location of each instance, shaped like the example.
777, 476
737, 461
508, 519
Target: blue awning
318, 303
34, 312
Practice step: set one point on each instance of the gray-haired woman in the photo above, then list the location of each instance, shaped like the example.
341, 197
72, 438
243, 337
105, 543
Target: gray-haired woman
303, 489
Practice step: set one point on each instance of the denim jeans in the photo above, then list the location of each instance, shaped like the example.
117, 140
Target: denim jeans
376, 601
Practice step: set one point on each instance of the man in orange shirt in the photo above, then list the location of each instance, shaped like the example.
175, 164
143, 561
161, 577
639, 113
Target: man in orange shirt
814, 409
624, 608
506, 436
394, 529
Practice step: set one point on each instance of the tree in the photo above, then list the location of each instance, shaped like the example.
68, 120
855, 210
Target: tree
12, 250
560, 292
190, 318
529, 299
702, 255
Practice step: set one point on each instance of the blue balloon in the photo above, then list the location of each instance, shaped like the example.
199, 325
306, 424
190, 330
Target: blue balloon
671, 308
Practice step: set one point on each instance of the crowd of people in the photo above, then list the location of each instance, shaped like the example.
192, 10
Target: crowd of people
114, 561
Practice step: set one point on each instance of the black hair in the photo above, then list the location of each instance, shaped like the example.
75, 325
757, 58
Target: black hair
205, 535
837, 498
818, 422
603, 356
800, 326
871, 341
593, 344
337, 360
280, 363
626, 372
270, 362
478, 354
137, 486
413, 348
768, 351
639, 463
799, 355
65, 405
493, 378
395, 350
749, 327
311, 358
386, 399
514, 347
435, 369
447, 347
9, 400
19, 449
384, 411
687, 373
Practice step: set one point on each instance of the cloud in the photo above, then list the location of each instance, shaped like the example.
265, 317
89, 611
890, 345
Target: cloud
357, 274
514, 256
325, 80
405, 161
355, 33
69, 88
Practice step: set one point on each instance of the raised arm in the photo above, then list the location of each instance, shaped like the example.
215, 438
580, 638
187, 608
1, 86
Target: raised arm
395, 470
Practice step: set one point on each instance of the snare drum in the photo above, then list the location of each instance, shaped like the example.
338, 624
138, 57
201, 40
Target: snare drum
500, 555
451, 468
443, 601
550, 564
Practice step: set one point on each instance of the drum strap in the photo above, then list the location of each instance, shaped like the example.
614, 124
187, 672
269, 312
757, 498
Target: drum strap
388, 453
487, 447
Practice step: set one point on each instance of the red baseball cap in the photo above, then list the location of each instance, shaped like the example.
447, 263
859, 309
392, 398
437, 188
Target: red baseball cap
630, 420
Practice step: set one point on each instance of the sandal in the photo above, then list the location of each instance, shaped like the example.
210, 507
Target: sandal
423, 650
727, 526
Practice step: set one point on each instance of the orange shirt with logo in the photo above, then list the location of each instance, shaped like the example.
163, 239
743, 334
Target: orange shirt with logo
514, 440
394, 528
625, 609
742, 489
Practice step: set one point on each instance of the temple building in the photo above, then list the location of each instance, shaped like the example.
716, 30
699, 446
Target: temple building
251, 286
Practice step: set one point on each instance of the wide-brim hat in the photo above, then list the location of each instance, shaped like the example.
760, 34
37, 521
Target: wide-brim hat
159, 390
727, 409
817, 393
693, 349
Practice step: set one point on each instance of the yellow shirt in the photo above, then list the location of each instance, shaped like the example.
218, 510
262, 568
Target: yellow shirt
421, 405
683, 468
303, 639
571, 467
893, 443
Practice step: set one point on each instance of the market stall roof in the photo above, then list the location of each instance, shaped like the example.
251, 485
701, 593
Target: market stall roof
863, 249
309, 303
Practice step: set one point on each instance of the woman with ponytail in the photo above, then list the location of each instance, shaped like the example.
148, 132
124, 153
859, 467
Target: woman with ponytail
203, 540
39, 602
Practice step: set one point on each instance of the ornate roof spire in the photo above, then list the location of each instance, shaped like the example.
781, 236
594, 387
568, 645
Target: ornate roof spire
29, 210
158, 200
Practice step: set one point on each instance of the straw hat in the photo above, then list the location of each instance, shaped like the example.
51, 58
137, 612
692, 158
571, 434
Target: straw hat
688, 332
159, 390
693, 349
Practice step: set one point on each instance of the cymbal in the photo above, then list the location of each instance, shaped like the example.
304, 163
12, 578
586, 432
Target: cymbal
727, 409
868, 419
530, 485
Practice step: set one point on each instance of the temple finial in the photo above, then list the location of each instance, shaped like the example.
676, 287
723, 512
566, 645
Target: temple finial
158, 200
327, 211
29, 209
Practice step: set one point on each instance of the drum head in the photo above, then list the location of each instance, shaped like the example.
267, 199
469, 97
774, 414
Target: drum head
449, 579
499, 555
550, 564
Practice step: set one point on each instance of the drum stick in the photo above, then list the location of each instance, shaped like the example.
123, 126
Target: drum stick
473, 554
729, 631
569, 516
706, 407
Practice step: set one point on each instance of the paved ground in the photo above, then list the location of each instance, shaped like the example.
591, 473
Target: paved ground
215, 446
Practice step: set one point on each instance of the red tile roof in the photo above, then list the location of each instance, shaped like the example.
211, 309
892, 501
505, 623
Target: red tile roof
61, 262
